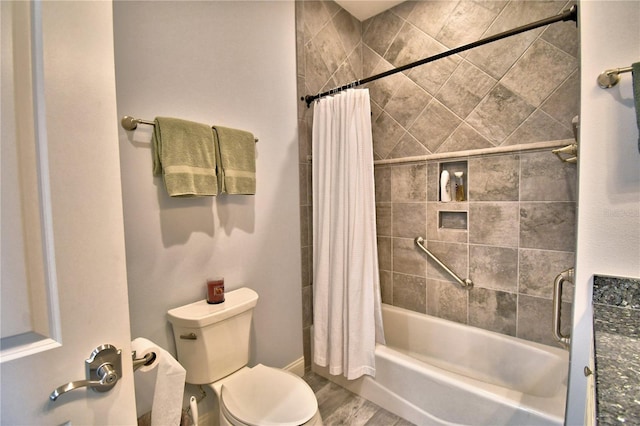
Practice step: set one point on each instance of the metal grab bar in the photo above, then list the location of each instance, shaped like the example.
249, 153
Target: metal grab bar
466, 283
557, 304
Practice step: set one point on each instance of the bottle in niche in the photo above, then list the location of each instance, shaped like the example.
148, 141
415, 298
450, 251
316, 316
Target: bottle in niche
445, 193
459, 186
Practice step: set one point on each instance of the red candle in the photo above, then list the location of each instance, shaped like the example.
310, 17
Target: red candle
215, 290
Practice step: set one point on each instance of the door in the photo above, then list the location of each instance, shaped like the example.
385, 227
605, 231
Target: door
64, 288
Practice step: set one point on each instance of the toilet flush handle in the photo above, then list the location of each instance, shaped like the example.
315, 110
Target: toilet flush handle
190, 336
104, 368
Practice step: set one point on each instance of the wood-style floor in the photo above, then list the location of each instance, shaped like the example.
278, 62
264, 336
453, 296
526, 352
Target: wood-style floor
338, 406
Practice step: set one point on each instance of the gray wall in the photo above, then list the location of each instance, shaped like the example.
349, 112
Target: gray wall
226, 63
517, 91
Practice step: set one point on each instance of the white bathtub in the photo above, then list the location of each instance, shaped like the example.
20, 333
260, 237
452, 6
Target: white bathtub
438, 372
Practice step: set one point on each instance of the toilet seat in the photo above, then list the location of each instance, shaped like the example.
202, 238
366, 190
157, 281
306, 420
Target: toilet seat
263, 396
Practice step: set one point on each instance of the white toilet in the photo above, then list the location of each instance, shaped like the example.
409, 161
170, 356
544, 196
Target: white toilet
212, 342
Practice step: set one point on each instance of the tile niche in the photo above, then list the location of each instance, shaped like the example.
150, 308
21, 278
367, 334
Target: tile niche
457, 195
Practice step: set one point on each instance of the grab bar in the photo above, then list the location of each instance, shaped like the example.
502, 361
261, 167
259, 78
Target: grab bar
557, 304
466, 283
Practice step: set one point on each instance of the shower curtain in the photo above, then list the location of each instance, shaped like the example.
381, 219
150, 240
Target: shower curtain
347, 315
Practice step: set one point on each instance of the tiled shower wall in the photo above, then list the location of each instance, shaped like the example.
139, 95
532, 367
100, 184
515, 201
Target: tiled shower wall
516, 233
520, 90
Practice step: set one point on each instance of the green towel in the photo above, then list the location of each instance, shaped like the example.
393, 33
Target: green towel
236, 160
635, 70
185, 155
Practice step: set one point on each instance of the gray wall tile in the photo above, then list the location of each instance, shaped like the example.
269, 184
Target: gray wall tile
386, 134
383, 219
493, 310
350, 33
386, 287
494, 224
330, 48
407, 258
408, 146
385, 253
549, 226
465, 89
539, 127
535, 321
447, 300
407, 103
494, 267
382, 90
494, 178
381, 31
454, 255
563, 104
382, 177
467, 23
539, 268
496, 58
431, 16
464, 138
562, 36
499, 114
410, 292
408, 183
409, 219
434, 125
541, 69
544, 178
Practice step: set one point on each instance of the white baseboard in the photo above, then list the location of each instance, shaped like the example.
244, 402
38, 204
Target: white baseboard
296, 367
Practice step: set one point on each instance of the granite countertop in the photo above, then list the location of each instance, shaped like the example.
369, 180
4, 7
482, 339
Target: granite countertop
617, 349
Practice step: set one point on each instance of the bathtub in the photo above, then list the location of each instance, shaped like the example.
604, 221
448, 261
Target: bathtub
437, 372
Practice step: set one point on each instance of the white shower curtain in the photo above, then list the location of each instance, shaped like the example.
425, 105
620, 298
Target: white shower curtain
347, 318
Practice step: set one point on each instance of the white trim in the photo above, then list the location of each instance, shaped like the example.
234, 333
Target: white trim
296, 367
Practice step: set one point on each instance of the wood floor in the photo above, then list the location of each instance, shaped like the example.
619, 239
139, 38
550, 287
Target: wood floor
338, 406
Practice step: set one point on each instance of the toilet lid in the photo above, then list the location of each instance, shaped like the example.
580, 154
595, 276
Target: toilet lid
268, 396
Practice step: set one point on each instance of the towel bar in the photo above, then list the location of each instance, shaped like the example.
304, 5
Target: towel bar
130, 123
610, 78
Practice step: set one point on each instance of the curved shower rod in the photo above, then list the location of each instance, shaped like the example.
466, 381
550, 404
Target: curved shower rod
570, 14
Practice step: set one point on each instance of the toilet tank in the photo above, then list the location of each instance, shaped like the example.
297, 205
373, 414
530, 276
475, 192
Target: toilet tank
212, 341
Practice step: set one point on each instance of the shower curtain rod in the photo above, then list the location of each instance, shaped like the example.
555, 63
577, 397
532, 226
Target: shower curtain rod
570, 14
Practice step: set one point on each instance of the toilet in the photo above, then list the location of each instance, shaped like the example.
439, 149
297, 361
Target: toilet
212, 342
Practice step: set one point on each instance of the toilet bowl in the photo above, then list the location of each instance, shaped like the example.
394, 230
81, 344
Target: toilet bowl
266, 396
212, 343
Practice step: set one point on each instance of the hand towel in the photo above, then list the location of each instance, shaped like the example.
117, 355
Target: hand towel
184, 154
236, 160
635, 70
